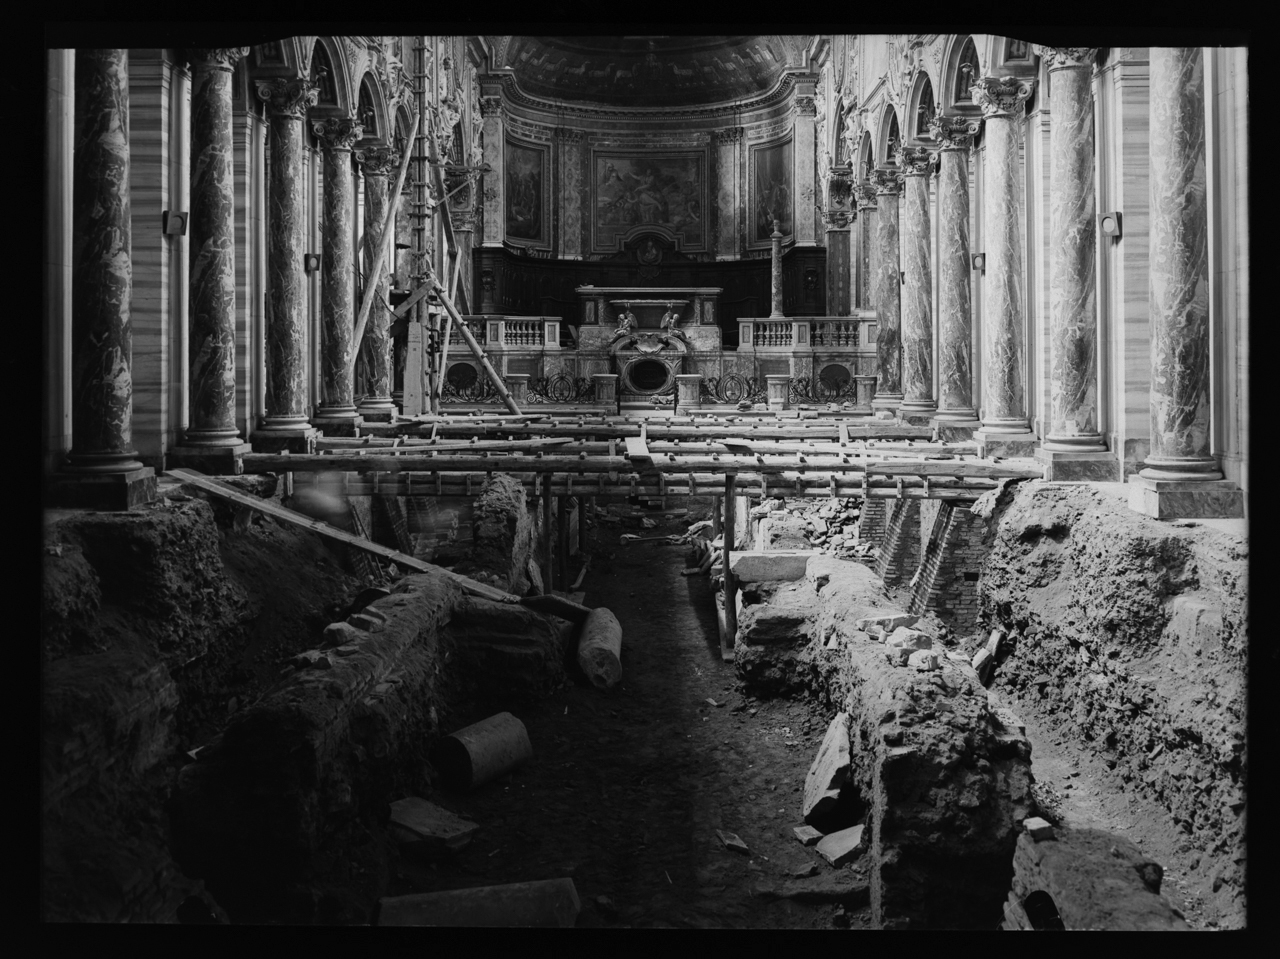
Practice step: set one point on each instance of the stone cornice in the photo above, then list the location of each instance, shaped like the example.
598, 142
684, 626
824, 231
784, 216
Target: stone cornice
219, 59
1061, 58
337, 133
378, 160
288, 97
1001, 96
953, 133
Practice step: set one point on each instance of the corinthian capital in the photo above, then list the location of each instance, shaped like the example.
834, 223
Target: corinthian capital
568, 134
1058, 58
338, 133
223, 58
953, 133
913, 161
885, 182
289, 98
728, 135
806, 106
865, 194
378, 161
1001, 96
491, 106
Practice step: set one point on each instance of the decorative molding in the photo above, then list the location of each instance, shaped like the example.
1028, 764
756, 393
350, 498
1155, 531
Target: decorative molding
338, 133
1001, 96
378, 160
568, 134
1059, 58
728, 135
288, 98
913, 161
953, 133
222, 59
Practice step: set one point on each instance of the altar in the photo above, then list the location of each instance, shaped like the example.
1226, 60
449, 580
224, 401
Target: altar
696, 309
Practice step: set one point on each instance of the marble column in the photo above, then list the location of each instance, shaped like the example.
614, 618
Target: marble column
838, 217
887, 293
286, 381
775, 276
377, 165
955, 308
493, 137
864, 271
337, 410
102, 470
1181, 476
918, 405
211, 338
1005, 428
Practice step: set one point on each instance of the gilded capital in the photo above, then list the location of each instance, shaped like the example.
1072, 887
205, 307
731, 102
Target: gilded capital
222, 59
953, 133
885, 182
1059, 58
913, 161
338, 133
1001, 96
289, 98
378, 161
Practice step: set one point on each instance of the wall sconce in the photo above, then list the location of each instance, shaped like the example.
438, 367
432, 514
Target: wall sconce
311, 262
980, 262
173, 224
1109, 225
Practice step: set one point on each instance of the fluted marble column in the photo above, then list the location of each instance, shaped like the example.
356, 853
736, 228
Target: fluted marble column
1179, 275
917, 286
212, 329
1073, 326
1004, 417
337, 410
286, 393
102, 279
955, 306
888, 293
775, 276
377, 164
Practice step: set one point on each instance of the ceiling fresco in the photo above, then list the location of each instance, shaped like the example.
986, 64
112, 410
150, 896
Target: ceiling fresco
650, 71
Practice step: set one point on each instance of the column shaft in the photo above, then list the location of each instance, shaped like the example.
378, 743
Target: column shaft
102, 344
888, 294
212, 330
337, 288
377, 164
917, 298
1179, 277
1073, 330
286, 392
775, 277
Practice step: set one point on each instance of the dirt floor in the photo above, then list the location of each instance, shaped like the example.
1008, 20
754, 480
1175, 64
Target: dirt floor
628, 787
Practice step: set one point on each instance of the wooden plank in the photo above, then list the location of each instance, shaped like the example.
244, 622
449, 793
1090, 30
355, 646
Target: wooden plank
469, 586
401, 444
637, 449
953, 468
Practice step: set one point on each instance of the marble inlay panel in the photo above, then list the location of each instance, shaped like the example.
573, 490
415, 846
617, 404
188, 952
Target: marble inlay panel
101, 354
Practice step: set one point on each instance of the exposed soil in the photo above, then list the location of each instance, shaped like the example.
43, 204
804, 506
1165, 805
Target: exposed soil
628, 787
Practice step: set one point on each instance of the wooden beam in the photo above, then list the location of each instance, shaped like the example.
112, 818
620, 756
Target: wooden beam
730, 586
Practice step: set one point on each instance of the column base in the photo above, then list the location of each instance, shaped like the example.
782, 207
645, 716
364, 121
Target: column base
346, 425
1005, 444
1174, 499
378, 416
277, 441
104, 491
886, 402
213, 461
377, 409
1070, 467
952, 430
916, 416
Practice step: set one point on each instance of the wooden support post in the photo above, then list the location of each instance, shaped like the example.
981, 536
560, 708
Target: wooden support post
582, 525
730, 587
715, 517
562, 540
548, 532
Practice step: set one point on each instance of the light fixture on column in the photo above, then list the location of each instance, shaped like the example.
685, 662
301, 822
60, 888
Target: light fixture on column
310, 262
980, 262
1109, 225
173, 223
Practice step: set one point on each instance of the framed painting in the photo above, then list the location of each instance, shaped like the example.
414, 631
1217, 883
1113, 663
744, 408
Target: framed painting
527, 194
661, 189
771, 192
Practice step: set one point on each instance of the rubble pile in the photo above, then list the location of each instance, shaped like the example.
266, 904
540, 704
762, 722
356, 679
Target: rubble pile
828, 525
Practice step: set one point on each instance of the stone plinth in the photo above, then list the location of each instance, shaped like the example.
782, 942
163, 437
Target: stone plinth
104, 491
688, 386
606, 388
518, 386
1006, 444
339, 426
1098, 467
280, 441
1173, 499
770, 565
213, 461
777, 387
946, 430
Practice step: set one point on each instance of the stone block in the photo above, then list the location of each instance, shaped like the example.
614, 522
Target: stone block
1037, 828
733, 841
807, 835
365, 621
897, 655
924, 659
1062, 466
763, 566
829, 771
109, 491
414, 820
771, 625
909, 638
340, 634
280, 441
887, 620
1172, 499
982, 664
842, 847
1006, 444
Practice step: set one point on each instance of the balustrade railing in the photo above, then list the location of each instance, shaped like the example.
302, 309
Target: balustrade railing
835, 333
771, 333
805, 333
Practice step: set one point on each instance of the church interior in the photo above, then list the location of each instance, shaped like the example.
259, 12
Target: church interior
782, 481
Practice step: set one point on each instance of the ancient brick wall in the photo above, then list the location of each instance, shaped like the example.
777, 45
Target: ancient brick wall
900, 547
947, 584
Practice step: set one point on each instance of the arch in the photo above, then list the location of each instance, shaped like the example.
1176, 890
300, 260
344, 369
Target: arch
866, 156
921, 105
372, 103
327, 53
404, 123
952, 95
888, 129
